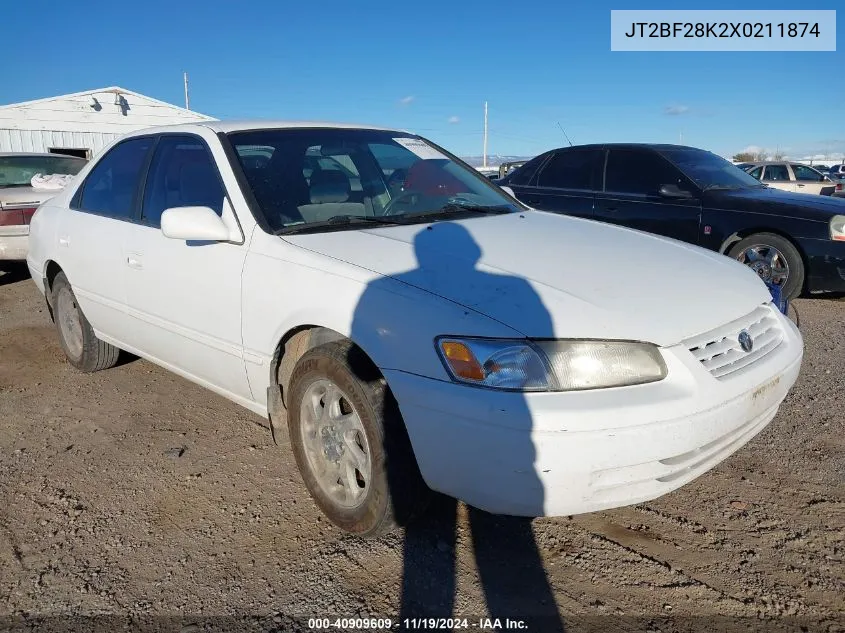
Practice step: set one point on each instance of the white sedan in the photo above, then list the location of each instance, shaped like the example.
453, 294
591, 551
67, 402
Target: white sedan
792, 177
419, 330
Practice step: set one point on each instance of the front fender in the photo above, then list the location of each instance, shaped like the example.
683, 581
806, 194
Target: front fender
394, 323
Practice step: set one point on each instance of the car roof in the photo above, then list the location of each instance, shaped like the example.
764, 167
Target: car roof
781, 162
653, 146
256, 124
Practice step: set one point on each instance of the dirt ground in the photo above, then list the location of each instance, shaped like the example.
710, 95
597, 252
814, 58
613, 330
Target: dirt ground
134, 494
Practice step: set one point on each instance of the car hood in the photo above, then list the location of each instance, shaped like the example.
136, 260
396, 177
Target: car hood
774, 201
547, 275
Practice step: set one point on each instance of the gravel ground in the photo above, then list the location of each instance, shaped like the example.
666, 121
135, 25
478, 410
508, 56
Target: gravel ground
132, 499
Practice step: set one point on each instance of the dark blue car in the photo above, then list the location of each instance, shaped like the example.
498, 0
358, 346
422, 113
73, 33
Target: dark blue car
794, 240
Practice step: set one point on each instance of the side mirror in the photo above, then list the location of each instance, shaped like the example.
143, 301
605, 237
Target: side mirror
194, 224
673, 191
508, 191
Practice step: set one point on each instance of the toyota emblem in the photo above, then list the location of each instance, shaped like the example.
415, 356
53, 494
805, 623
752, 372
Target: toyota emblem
745, 341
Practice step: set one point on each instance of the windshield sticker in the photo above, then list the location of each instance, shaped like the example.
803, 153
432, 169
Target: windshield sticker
420, 148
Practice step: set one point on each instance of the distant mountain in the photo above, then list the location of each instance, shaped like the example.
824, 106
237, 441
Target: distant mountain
493, 159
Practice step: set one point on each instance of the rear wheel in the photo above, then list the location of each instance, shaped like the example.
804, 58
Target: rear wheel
81, 346
350, 442
775, 260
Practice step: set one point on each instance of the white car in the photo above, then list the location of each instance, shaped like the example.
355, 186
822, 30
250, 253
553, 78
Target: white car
792, 177
426, 331
19, 199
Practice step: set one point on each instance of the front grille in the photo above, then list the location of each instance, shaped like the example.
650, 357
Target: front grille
720, 351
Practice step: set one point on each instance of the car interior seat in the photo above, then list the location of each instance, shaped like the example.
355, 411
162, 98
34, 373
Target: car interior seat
329, 194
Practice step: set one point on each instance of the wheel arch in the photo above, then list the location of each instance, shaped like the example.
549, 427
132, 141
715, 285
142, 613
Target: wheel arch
51, 270
292, 345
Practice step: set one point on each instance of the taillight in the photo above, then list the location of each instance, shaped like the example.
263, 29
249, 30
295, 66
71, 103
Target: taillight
839, 186
16, 216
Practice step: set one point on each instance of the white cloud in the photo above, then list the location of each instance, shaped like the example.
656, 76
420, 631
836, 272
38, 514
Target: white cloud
454, 119
752, 149
675, 110
406, 100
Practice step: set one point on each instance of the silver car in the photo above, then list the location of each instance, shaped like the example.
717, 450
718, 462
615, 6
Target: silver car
19, 200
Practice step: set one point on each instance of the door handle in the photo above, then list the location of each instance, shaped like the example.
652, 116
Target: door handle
64, 240
611, 209
800, 185
134, 261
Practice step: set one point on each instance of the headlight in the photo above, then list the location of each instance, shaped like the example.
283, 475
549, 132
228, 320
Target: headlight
561, 365
837, 228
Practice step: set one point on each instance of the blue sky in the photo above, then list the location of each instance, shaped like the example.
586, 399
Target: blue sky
429, 67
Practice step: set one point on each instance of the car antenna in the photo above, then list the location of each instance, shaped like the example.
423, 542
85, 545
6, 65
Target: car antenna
564, 133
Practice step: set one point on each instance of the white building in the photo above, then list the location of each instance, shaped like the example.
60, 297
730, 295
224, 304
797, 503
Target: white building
82, 123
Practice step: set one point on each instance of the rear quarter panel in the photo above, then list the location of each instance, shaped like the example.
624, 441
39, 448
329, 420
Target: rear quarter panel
42, 237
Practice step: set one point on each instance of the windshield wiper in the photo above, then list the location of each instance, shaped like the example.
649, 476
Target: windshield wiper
464, 207
342, 220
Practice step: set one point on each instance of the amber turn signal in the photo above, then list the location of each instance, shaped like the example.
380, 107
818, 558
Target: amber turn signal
462, 361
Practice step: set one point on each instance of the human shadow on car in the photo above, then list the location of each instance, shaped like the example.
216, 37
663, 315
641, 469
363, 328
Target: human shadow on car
493, 460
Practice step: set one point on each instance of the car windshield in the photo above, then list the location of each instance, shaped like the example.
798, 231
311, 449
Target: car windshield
305, 179
17, 171
709, 171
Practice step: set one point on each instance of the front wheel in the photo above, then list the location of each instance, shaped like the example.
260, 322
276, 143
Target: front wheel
775, 260
350, 442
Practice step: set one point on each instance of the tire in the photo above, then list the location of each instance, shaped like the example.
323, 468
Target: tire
81, 346
390, 490
768, 244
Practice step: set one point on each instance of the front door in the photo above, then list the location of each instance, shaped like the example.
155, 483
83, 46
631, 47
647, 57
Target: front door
808, 180
631, 196
185, 297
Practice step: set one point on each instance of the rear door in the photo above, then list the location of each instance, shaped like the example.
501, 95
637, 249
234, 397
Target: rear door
777, 176
566, 183
92, 232
631, 196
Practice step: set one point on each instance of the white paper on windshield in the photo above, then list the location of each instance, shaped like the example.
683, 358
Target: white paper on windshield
420, 148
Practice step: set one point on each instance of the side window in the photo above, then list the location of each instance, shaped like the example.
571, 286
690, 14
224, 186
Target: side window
182, 174
776, 173
639, 172
111, 186
757, 172
571, 170
806, 174
523, 175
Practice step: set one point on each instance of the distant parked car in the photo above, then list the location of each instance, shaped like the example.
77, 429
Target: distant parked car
793, 240
506, 168
793, 177
440, 333
18, 199
839, 181
838, 170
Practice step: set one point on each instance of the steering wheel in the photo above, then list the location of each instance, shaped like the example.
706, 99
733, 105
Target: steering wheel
389, 207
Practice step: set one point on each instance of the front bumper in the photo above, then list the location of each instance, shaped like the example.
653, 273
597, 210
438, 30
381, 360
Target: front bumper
14, 242
553, 454
825, 265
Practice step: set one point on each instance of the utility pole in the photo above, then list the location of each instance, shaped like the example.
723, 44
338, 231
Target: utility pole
187, 101
485, 136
